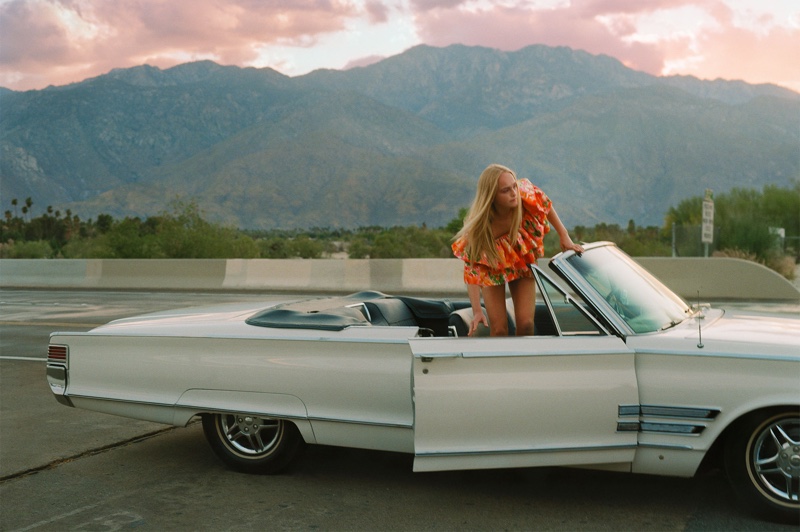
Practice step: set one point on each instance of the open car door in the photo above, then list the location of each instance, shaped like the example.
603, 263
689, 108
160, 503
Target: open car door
526, 401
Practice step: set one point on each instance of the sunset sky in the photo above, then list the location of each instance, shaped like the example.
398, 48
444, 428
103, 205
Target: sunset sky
55, 42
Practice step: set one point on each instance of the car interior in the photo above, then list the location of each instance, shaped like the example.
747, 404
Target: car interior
434, 317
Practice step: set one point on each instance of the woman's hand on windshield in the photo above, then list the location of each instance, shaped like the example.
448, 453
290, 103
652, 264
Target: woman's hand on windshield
568, 245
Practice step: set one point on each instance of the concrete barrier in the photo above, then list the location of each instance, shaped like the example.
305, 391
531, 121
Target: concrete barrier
322, 275
160, 274
715, 278
36, 273
720, 278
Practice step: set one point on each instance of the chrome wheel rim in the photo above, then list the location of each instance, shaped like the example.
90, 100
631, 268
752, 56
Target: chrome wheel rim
775, 461
251, 436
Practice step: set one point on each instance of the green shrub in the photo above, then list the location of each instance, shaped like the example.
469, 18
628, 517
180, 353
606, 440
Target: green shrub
35, 249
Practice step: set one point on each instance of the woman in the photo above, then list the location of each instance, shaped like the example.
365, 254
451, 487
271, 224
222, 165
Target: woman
501, 237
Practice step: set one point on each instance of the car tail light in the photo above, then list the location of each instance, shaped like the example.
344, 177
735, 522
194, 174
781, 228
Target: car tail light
57, 354
57, 369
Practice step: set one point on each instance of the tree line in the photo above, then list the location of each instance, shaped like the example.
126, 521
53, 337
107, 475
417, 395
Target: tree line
746, 221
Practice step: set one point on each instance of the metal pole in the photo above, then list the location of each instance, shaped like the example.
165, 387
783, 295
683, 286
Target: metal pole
674, 249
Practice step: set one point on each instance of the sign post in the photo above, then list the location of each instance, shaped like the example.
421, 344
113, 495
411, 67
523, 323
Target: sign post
708, 219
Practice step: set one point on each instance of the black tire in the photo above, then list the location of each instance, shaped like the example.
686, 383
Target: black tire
762, 460
252, 444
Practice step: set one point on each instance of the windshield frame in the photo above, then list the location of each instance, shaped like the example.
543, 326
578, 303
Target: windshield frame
631, 298
546, 287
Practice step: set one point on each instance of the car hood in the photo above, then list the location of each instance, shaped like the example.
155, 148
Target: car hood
721, 333
752, 328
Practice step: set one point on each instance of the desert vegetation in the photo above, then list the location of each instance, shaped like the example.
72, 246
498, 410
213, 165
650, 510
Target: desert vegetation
749, 224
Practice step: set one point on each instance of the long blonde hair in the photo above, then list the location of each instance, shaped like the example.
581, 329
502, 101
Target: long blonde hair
477, 228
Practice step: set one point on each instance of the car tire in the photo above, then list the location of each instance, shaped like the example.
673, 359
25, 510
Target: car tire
762, 460
252, 444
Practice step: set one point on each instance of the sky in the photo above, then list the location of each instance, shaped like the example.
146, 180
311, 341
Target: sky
56, 42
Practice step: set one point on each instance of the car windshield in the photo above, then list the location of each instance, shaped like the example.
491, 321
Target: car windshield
640, 299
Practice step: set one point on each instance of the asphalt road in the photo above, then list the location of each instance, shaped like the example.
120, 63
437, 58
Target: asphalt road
66, 469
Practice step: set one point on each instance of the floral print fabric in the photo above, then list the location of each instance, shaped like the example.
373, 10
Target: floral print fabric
515, 257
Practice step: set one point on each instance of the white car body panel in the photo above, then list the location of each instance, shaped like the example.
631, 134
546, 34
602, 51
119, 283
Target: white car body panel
371, 381
617, 380
528, 398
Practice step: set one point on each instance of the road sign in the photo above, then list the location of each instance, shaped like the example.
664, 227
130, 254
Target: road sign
708, 220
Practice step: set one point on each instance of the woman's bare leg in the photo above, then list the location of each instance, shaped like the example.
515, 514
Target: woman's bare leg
494, 299
523, 294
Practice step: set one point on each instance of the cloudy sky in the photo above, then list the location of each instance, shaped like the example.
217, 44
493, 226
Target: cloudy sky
54, 42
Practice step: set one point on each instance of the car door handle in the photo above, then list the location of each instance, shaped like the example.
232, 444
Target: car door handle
431, 357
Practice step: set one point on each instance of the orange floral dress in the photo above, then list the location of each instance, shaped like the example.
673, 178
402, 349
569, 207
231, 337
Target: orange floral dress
516, 257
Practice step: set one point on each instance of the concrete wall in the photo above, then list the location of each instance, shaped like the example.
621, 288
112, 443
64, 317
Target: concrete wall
720, 278
715, 278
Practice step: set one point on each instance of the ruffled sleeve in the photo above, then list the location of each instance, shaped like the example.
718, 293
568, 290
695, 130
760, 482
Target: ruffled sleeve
460, 249
534, 200
536, 206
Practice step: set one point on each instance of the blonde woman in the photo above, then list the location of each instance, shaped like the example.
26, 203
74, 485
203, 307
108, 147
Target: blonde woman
501, 237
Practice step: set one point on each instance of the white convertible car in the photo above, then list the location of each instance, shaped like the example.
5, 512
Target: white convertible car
621, 374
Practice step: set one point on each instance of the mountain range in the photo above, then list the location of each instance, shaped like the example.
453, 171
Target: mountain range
399, 142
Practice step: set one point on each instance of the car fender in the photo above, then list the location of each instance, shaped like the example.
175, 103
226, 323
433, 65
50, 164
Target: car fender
273, 405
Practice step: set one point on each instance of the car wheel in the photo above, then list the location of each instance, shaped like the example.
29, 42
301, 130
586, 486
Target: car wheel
252, 444
762, 460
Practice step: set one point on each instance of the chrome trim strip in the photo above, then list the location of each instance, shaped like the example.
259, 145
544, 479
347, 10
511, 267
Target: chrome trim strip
436, 454
647, 416
570, 352
176, 406
202, 408
228, 411
680, 429
705, 353
357, 422
665, 411
672, 446
259, 338
685, 412
429, 357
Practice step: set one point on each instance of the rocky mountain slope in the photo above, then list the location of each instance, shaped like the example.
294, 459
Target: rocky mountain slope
399, 142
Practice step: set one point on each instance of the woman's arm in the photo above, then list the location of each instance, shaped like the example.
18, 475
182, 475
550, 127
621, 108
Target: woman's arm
478, 317
563, 234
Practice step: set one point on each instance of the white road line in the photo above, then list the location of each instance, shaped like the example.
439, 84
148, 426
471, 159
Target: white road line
57, 518
49, 324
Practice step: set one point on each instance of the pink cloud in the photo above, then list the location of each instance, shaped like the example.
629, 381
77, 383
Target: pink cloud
738, 54
512, 28
18, 21
591, 8
428, 5
41, 46
378, 13
725, 52
38, 43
